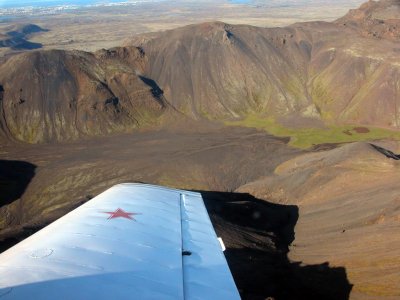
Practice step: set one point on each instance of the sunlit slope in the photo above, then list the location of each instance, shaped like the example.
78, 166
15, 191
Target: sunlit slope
324, 75
349, 206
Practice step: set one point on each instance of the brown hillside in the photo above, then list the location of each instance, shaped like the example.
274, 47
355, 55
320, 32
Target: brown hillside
319, 71
216, 70
56, 95
313, 70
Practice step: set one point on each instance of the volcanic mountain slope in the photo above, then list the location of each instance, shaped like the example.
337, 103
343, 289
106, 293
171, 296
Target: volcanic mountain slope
216, 70
323, 72
58, 95
349, 206
315, 70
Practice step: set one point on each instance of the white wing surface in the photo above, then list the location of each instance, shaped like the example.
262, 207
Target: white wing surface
134, 241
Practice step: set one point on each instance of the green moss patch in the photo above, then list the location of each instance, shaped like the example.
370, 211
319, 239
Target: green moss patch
308, 137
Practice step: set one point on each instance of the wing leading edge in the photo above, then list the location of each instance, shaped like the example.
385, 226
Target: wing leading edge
134, 241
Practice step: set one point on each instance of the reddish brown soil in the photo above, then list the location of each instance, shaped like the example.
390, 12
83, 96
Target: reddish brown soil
349, 213
361, 129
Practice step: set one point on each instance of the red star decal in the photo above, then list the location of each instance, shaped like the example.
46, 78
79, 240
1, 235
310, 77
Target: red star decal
120, 213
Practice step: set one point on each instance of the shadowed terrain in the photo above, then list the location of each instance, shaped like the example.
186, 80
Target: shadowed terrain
17, 37
14, 179
257, 235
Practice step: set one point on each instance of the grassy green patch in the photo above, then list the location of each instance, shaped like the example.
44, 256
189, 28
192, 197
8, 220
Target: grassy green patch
307, 137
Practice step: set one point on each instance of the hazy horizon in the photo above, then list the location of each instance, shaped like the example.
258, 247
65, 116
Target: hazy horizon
49, 3
9, 4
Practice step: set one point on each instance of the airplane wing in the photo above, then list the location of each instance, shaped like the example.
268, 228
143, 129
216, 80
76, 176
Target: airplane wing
134, 241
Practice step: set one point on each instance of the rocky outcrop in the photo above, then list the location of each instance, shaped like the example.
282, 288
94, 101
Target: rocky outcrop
376, 19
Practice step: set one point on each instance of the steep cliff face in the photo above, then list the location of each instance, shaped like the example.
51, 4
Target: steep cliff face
58, 95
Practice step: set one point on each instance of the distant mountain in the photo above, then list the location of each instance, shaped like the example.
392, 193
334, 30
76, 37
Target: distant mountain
17, 37
332, 73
